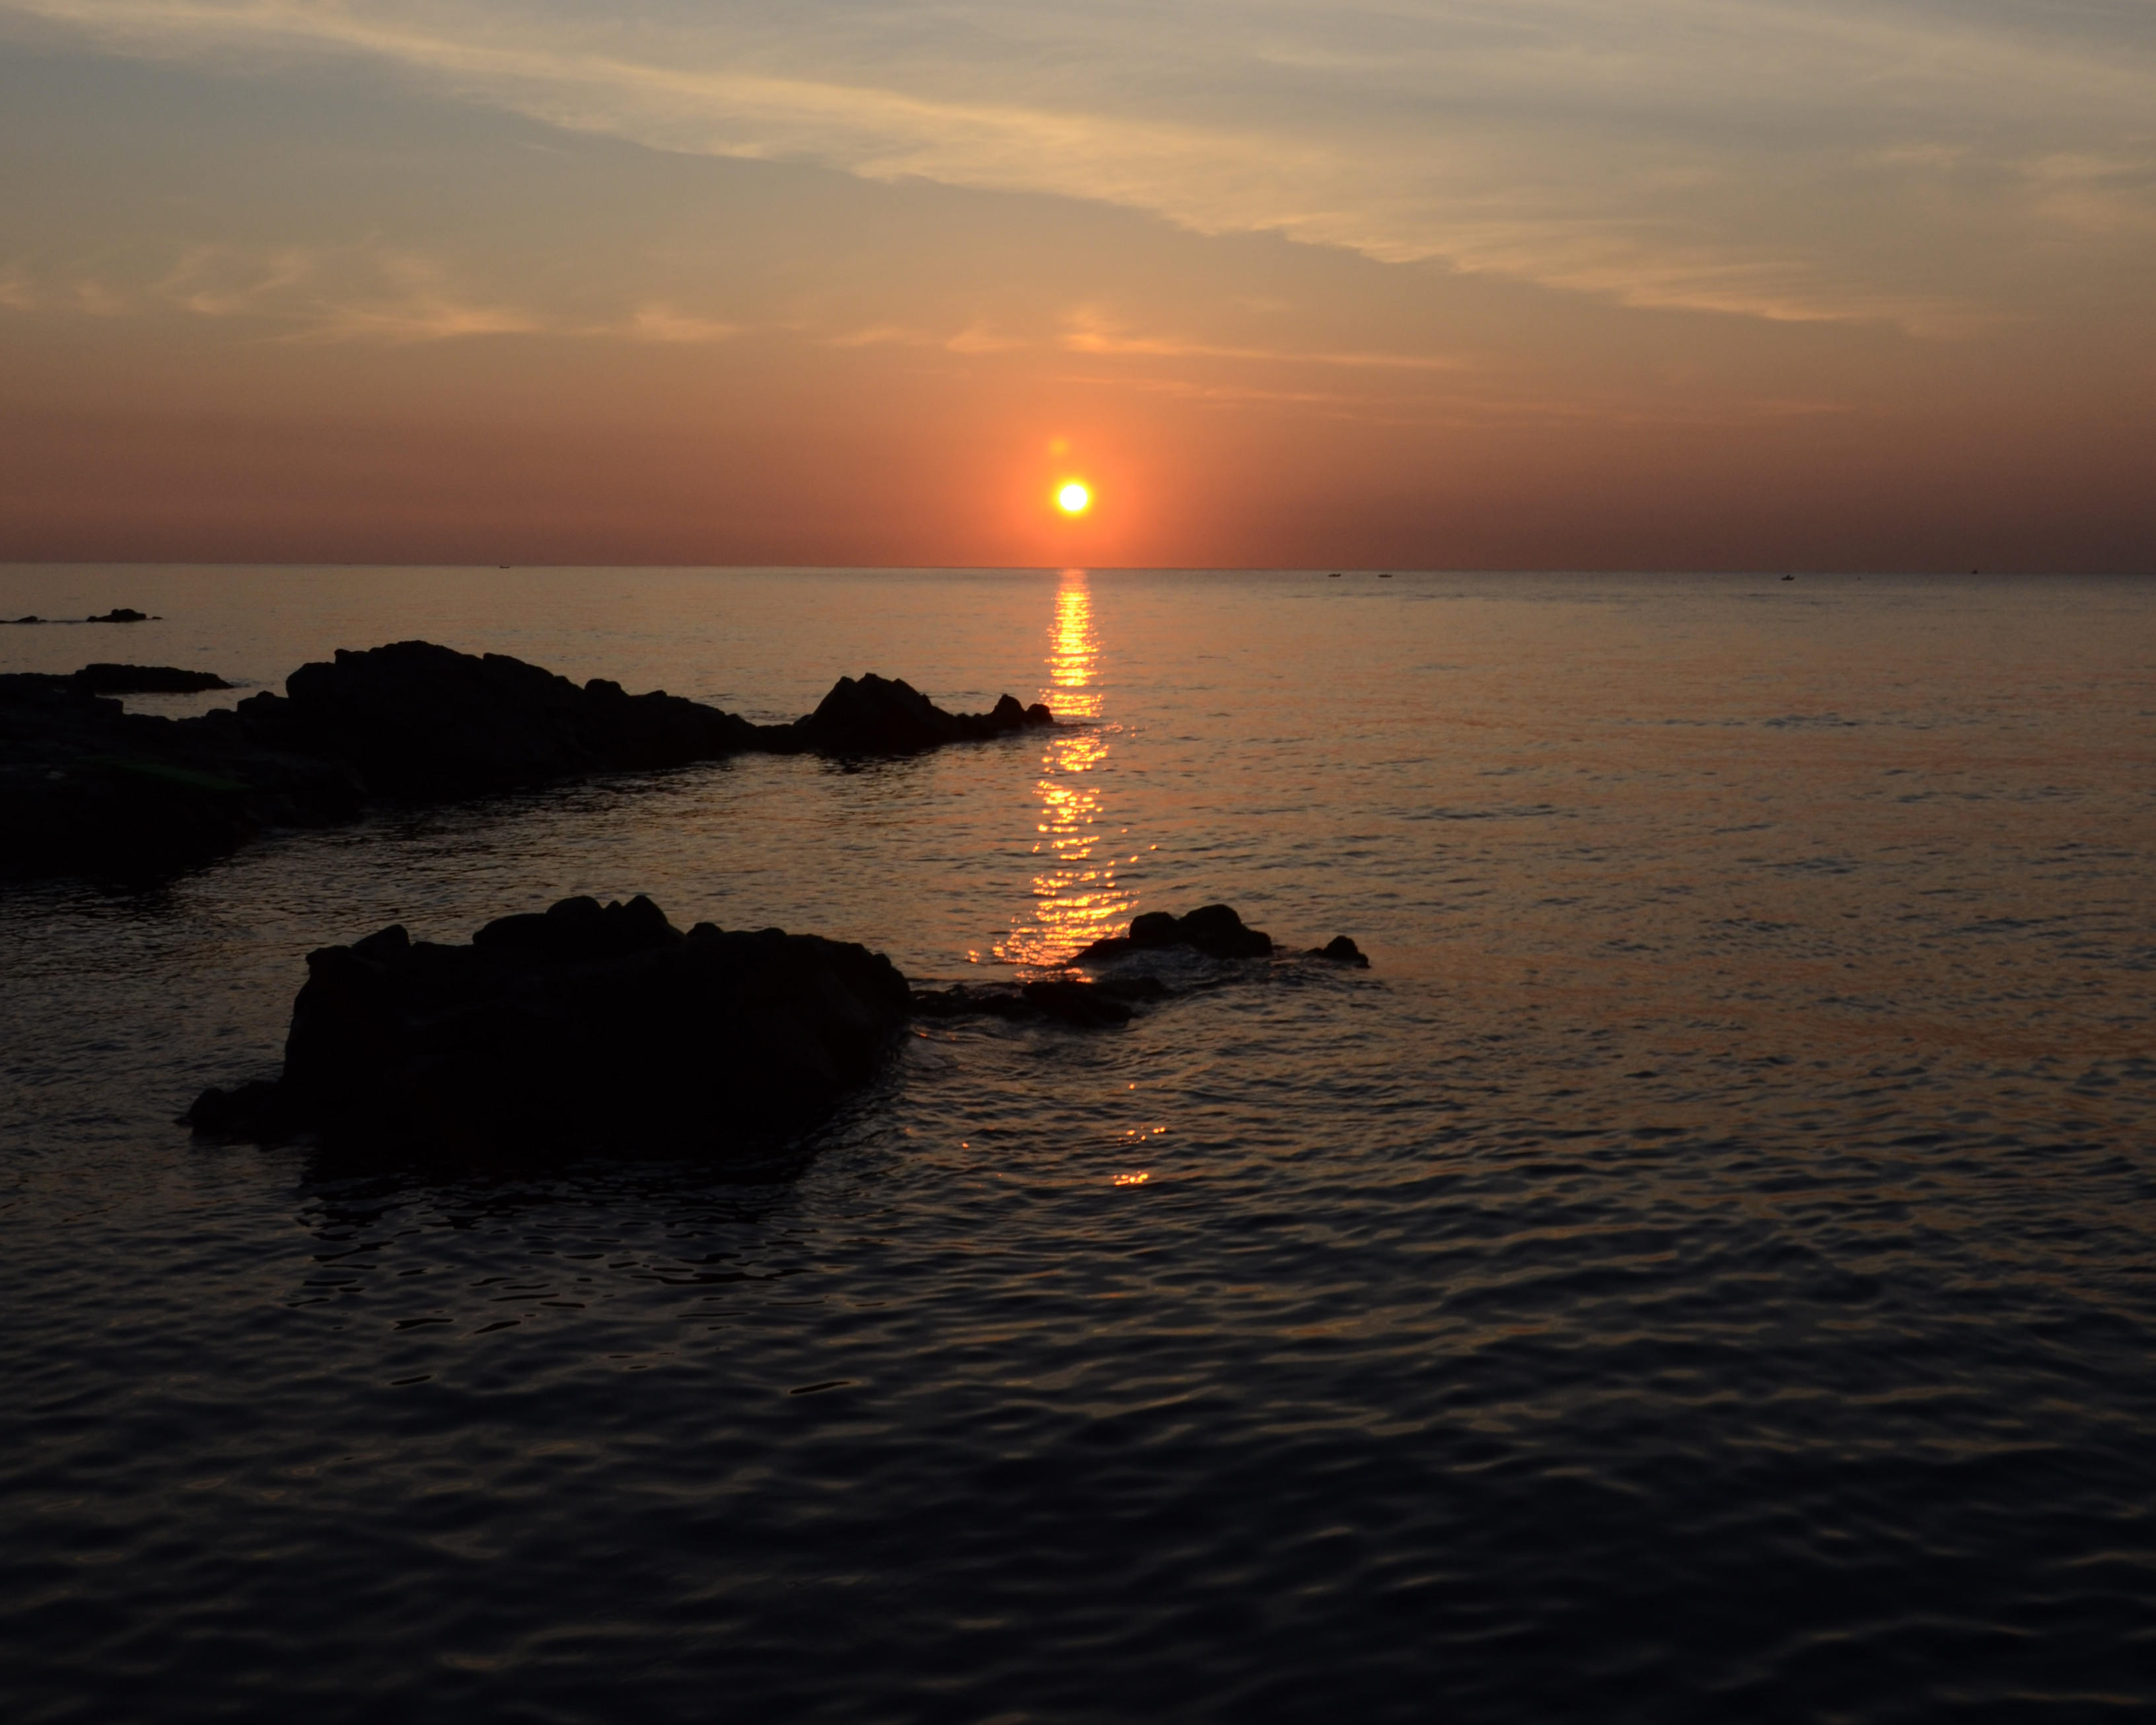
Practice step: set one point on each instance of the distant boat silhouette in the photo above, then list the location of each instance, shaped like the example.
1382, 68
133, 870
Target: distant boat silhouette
1334, 575
1385, 575
1788, 577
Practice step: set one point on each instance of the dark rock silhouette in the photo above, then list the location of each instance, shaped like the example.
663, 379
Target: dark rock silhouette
413, 719
587, 1029
85, 788
119, 614
881, 715
145, 680
1215, 929
88, 787
593, 1029
416, 721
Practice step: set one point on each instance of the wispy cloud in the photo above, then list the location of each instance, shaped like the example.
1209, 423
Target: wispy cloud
1760, 159
311, 296
664, 323
974, 338
1089, 331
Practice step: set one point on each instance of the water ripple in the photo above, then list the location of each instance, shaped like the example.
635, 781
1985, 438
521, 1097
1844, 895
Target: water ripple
1703, 1271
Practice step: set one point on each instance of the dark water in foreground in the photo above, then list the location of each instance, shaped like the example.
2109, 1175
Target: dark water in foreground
1703, 1271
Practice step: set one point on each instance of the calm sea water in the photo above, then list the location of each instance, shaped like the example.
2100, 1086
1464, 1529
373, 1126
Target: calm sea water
1703, 1271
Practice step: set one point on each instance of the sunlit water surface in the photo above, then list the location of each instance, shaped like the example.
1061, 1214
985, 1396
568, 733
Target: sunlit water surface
1702, 1271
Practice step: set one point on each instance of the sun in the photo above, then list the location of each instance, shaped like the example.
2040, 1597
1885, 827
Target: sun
1074, 499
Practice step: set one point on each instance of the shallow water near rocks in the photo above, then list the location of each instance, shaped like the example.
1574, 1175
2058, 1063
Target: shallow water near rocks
1702, 1271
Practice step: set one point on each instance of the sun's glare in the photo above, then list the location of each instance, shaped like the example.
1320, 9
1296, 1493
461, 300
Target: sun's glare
1074, 499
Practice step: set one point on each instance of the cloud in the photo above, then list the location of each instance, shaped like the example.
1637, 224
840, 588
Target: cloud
1088, 331
316, 294
664, 323
1765, 160
217, 281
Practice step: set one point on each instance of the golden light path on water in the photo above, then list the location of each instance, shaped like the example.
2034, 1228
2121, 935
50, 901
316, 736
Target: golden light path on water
1076, 896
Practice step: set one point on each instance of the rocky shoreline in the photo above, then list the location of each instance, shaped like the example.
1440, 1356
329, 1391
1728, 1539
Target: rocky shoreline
86, 788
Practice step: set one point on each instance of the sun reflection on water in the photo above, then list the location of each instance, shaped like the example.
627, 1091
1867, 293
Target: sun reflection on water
1075, 897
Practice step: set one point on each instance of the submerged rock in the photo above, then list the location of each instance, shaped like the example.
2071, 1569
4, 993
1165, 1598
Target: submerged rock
1085, 1006
1215, 929
586, 1028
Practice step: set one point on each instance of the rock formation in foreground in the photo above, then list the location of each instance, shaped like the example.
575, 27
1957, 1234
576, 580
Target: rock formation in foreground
587, 1029
598, 1028
87, 787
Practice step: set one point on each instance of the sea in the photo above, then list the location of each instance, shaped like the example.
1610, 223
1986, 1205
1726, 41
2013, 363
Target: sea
1703, 1269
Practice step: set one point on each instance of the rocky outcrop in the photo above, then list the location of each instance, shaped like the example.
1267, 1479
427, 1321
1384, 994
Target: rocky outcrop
87, 789
588, 1029
1216, 932
593, 1028
881, 715
1105, 1001
415, 721
119, 614
1213, 930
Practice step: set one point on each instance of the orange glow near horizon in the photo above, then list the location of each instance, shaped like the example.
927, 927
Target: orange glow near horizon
1076, 896
1264, 314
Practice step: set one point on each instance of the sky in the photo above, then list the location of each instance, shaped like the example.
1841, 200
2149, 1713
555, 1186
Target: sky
1542, 283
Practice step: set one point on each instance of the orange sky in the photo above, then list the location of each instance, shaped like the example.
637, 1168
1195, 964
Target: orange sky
1432, 286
